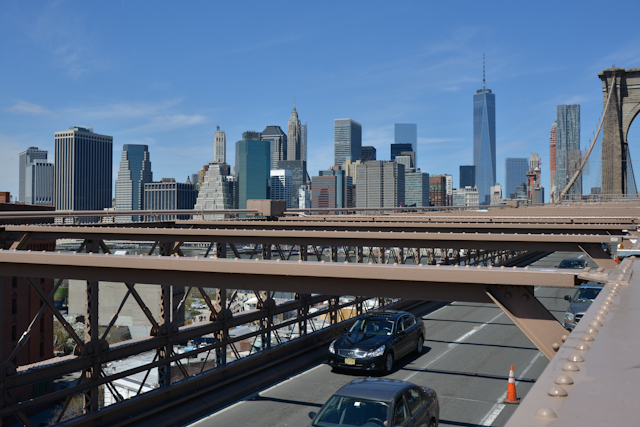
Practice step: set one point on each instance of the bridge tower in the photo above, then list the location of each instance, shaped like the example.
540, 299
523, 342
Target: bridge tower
623, 108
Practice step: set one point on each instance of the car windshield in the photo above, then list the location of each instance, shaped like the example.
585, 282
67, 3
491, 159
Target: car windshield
586, 295
571, 263
373, 326
351, 411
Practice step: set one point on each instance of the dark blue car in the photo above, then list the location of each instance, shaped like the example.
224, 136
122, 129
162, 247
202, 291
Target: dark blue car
377, 340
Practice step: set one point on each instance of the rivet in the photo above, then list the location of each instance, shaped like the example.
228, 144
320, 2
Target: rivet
587, 338
600, 270
570, 367
576, 358
610, 298
621, 277
456, 266
502, 267
583, 347
438, 265
526, 267
525, 297
507, 295
514, 267
370, 263
347, 262
602, 312
558, 392
420, 265
479, 266
587, 270
546, 413
322, 262
298, 260
490, 266
564, 380
592, 331
237, 258
467, 266
555, 346
564, 337
277, 259
607, 303
595, 324
259, 260
599, 318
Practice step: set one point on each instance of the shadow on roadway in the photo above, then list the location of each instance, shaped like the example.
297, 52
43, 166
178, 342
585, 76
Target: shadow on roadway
290, 402
465, 321
456, 423
484, 345
469, 374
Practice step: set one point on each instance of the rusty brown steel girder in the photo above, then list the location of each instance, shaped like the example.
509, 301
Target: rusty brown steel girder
532, 242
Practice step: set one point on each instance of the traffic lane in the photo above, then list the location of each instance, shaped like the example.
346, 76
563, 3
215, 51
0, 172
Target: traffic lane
470, 373
449, 333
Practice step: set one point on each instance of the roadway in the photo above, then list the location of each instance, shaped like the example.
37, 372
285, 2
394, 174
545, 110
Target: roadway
468, 350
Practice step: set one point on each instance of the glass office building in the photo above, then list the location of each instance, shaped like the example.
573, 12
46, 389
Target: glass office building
253, 159
407, 133
516, 174
467, 176
347, 141
568, 156
484, 142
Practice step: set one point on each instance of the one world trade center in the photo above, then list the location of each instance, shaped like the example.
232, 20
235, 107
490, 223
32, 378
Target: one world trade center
484, 141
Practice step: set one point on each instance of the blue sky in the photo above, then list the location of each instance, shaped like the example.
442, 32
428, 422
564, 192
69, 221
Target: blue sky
167, 73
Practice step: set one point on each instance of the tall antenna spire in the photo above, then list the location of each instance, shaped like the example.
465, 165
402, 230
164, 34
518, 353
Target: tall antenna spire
483, 80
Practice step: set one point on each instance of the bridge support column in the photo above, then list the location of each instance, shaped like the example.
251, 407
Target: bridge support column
91, 336
382, 256
401, 258
416, 256
334, 254
359, 254
303, 252
221, 250
266, 251
530, 316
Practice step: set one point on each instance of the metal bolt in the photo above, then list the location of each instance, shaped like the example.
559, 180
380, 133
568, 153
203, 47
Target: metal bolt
583, 347
558, 392
576, 358
570, 367
546, 413
525, 297
595, 324
564, 380
592, 331
564, 337
599, 318
507, 295
555, 346
587, 337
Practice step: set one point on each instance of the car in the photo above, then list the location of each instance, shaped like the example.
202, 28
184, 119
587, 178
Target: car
379, 402
572, 263
580, 303
376, 340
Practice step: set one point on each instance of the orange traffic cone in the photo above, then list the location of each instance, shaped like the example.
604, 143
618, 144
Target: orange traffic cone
511, 389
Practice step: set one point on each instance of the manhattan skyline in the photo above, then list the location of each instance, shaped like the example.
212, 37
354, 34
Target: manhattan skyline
169, 80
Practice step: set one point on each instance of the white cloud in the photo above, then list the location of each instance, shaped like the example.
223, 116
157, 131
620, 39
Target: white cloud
24, 107
165, 123
124, 110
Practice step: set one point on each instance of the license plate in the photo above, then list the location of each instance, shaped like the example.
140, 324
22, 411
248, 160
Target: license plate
349, 361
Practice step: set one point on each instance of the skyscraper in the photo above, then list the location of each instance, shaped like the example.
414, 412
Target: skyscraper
253, 158
416, 189
39, 175
343, 186
552, 163
407, 133
169, 195
281, 186
368, 153
278, 140
216, 192
516, 174
83, 170
303, 143
26, 157
467, 176
134, 173
380, 184
294, 137
568, 154
484, 140
219, 146
403, 149
298, 170
347, 141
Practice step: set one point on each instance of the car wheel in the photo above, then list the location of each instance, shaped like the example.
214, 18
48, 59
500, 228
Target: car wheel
432, 423
388, 362
419, 344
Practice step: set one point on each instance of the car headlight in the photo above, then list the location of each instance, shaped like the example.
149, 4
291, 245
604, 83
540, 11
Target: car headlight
569, 317
377, 352
332, 349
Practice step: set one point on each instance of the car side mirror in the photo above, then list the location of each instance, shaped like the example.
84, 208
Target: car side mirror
401, 333
567, 297
556, 266
312, 415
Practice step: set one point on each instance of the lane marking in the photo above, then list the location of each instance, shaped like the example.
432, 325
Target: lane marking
462, 398
452, 346
500, 405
